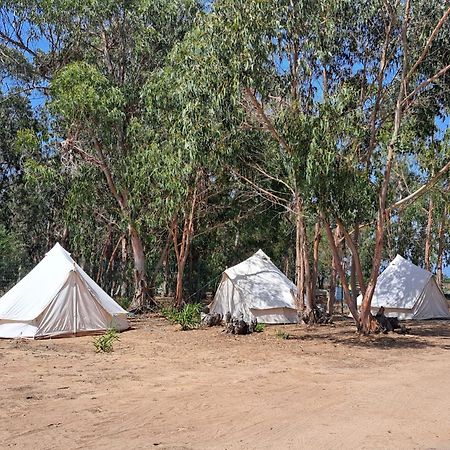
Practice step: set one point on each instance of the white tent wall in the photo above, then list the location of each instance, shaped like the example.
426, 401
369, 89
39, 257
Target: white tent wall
256, 288
275, 315
408, 292
426, 309
74, 311
58, 298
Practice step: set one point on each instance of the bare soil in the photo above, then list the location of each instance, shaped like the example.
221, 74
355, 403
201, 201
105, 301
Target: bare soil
324, 387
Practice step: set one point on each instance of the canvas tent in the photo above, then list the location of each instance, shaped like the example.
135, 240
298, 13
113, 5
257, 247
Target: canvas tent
256, 288
58, 298
408, 292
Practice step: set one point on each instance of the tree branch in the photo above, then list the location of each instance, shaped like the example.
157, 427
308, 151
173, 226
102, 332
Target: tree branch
419, 192
430, 40
426, 83
265, 121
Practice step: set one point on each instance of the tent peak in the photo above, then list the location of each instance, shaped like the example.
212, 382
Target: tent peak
58, 248
261, 254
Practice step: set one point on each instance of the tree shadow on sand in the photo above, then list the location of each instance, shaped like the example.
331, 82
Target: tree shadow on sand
420, 335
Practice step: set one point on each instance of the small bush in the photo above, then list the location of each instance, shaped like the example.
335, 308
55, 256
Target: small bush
260, 327
188, 317
282, 335
105, 343
170, 313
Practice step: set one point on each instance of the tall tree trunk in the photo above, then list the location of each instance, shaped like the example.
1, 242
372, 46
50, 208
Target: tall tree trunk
124, 258
333, 278
337, 258
159, 265
299, 266
439, 272
353, 281
308, 312
286, 268
315, 267
140, 298
428, 235
182, 248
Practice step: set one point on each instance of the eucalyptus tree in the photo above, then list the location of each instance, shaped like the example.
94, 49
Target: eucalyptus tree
328, 109
397, 99
95, 59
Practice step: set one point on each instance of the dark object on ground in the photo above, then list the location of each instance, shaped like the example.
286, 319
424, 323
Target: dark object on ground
322, 317
396, 325
384, 322
205, 309
394, 322
212, 320
239, 326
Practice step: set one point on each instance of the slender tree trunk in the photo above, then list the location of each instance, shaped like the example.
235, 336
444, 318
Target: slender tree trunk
124, 257
182, 248
140, 298
428, 235
353, 281
65, 238
439, 272
159, 265
333, 278
337, 258
315, 267
299, 267
305, 279
308, 313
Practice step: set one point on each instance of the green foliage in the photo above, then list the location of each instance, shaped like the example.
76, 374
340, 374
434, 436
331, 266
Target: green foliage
282, 335
105, 342
157, 91
13, 259
260, 327
188, 317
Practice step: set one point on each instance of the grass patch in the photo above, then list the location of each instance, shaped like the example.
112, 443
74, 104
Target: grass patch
188, 317
260, 327
105, 343
282, 335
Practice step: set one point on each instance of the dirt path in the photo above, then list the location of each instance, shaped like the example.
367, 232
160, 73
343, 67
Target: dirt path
162, 388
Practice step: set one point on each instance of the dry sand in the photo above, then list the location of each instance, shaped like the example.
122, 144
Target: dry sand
163, 388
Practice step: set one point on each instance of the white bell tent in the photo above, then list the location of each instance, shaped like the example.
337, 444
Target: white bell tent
256, 288
58, 298
408, 292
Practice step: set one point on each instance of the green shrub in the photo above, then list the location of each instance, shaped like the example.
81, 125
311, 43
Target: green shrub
170, 313
260, 327
188, 317
282, 335
105, 343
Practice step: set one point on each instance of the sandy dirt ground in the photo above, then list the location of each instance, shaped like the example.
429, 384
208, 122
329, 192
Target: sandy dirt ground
325, 387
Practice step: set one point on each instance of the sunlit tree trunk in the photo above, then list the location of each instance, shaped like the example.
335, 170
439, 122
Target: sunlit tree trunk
440, 256
337, 259
353, 278
299, 266
333, 278
140, 269
182, 248
315, 267
427, 258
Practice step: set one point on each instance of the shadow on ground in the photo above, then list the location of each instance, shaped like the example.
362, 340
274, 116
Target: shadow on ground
424, 334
